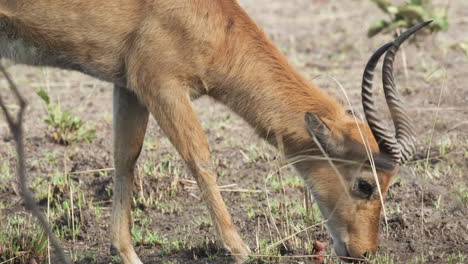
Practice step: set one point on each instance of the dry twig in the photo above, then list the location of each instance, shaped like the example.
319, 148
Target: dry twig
16, 128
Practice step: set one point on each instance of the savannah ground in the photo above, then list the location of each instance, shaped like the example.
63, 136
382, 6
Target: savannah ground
426, 208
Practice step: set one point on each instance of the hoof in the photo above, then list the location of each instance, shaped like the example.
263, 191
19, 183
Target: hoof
240, 253
241, 259
128, 256
114, 251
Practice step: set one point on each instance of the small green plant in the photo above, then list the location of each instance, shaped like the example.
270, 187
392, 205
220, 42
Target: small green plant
142, 233
438, 204
87, 258
21, 240
5, 175
116, 260
457, 258
462, 194
67, 128
407, 15
463, 45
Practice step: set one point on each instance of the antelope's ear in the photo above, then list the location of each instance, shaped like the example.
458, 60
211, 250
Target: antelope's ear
318, 129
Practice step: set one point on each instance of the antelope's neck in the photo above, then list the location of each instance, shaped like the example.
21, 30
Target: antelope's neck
269, 93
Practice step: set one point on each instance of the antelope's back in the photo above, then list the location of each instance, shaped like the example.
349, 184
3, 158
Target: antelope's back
100, 37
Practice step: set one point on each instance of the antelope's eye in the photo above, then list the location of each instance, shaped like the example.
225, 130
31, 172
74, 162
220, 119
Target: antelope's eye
365, 188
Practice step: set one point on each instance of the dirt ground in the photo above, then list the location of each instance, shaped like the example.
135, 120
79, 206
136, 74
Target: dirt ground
426, 208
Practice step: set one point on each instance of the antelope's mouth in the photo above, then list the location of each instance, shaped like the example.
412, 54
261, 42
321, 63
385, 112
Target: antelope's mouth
341, 251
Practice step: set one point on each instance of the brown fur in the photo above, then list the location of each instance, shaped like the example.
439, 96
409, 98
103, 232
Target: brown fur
162, 53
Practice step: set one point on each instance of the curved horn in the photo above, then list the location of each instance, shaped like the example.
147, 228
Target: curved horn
386, 141
404, 131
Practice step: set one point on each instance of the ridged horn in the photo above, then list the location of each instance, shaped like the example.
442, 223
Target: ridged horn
404, 130
384, 139
401, 145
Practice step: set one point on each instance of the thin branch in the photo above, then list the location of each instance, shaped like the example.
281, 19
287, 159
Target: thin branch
16, 127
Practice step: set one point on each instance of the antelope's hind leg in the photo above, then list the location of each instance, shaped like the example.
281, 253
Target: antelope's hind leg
130, 121
172, 109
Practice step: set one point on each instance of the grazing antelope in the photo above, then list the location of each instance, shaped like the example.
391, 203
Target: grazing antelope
161, 54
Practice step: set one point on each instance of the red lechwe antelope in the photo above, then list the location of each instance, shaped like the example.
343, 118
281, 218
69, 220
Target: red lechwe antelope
161, 54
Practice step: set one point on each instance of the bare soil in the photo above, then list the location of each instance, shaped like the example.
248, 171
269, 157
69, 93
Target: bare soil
426, 211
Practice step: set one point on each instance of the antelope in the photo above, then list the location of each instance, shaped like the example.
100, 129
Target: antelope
162, 54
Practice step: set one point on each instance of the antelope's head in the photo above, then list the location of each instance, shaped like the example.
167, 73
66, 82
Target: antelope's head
350, 183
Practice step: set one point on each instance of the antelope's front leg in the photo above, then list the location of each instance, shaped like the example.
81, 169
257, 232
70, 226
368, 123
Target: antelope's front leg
130, 120
173, 111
